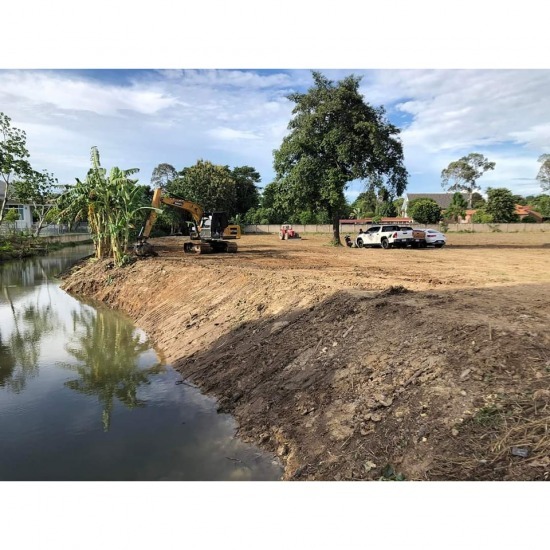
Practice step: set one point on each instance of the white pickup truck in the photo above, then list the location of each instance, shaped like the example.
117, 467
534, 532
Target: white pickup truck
386, 236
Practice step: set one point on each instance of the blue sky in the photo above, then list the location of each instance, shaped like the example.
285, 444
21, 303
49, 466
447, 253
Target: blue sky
140, 118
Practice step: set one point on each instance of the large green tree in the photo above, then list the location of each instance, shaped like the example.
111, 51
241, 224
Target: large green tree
501, 205
246, 190
39, 189
424, 211
210, 185
13, 158
336, 137
543, 176
462, 174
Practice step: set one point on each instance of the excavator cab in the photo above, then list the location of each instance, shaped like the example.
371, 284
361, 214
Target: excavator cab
213, 225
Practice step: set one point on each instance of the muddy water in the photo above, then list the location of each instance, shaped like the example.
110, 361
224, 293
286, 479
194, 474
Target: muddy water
83, 396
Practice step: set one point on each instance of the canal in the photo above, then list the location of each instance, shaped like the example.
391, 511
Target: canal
84, 396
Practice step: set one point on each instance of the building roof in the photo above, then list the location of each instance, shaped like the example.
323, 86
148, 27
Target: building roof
443, 200
526, 211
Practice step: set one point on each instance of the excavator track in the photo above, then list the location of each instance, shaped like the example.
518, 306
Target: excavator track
197, 248
209, 247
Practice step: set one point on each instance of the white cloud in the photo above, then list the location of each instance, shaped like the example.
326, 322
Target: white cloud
230, 134
77, 94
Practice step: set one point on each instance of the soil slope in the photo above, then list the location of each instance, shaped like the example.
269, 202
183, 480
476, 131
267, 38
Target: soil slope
359, 364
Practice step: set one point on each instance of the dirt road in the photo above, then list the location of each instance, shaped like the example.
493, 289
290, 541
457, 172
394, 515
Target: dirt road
355, 363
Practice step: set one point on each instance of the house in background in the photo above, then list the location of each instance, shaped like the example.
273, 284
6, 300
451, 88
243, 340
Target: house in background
523, 211
24, 210
443, 200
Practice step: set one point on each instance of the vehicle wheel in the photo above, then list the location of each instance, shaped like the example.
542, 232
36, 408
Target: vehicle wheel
360, 243
385, 244
439, 246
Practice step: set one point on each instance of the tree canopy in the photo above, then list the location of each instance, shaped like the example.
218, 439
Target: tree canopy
13, 157
336, 137
462, 174
501, 205
39, 190
424, 211
457, 208
207, 184
162, 175
246, 190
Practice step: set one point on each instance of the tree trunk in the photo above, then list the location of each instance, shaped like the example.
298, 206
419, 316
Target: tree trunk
336, 230
4, 201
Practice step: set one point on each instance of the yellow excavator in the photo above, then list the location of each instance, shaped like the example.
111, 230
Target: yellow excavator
211, 233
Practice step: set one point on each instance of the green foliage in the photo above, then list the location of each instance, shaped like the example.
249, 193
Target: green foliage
457, 208
482, 216
386, 210
488, 416
519, 199
389, 473
543, 177
501, 205
365, 202
398, 204
478, 201
462, 174
246, 190
335, 137
13, 157
39, 190
424, 211
112, 204
11, 217
540, 204
210, 185
529, 219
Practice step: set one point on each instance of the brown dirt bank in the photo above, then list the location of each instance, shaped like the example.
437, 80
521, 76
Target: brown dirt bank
347, 361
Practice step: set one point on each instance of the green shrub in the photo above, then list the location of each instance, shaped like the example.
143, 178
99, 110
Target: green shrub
529, 219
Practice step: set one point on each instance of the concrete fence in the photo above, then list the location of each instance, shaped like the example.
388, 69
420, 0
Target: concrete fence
452, 227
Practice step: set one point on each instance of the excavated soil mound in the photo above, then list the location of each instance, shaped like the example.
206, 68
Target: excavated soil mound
350, 371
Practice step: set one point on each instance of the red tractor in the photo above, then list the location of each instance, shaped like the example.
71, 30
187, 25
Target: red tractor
286, 232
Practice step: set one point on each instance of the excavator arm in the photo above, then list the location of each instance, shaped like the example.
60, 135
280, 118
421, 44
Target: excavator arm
193, 208
212, 230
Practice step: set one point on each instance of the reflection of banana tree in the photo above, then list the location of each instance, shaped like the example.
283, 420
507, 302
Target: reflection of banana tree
107, 354
7, 364
19, 359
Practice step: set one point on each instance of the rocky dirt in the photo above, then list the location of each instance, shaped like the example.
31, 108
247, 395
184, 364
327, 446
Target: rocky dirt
359, 364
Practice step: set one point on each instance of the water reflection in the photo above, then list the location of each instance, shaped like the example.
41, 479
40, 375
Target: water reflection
106, 352
84, 397
20, 347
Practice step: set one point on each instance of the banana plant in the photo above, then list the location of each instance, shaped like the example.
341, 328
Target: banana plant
111, 204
